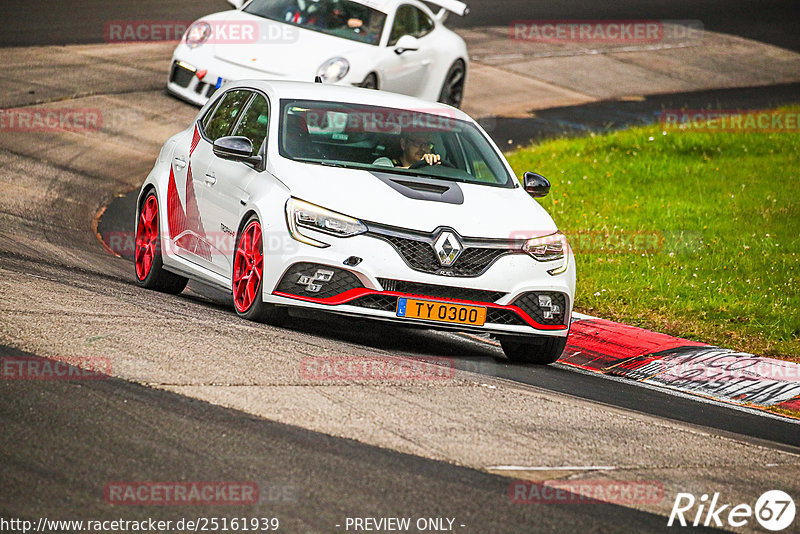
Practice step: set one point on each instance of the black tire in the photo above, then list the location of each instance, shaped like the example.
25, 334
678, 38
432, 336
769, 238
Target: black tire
155, 276
257, 310
452, 92
542, 351
370, 82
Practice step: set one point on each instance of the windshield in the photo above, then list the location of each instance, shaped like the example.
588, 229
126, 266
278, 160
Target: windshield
411, 143
341, 18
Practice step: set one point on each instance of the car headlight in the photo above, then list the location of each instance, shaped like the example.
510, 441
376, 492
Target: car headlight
549, 248
198, 33
302, 215
333, 70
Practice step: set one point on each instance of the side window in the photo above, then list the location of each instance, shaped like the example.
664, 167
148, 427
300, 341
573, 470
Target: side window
405, 23
476, 165
409, 21
226, 114
254, 122
207, 117
425, 24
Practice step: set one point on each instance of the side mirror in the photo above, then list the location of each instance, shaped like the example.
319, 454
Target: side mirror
407, 43
237, 4
536, 185
236, 148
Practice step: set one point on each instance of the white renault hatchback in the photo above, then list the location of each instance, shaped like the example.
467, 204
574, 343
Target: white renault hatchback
394, 45
290, 194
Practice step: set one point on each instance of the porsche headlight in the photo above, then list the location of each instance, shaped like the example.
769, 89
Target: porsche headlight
549, 248
198, 33
302, 215
333, 70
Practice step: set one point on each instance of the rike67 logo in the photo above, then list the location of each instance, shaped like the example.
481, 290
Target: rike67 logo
774, 510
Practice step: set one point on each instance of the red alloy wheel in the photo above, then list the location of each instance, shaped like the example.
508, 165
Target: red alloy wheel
146, 237
248, 267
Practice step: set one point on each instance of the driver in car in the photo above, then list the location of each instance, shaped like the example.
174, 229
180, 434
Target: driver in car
417, 147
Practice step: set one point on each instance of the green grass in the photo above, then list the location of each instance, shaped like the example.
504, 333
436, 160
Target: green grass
725, 210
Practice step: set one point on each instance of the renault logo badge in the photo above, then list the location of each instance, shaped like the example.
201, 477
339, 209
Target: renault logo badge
447, 247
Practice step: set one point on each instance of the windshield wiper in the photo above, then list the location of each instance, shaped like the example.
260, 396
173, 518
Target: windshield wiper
320, 162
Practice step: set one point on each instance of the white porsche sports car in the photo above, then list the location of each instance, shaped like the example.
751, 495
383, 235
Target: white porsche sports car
395, 45
366, 203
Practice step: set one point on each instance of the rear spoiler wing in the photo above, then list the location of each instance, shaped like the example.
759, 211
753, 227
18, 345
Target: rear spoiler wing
452, 6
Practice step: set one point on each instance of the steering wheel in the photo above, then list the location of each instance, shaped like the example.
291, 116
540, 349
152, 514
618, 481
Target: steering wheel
422, 163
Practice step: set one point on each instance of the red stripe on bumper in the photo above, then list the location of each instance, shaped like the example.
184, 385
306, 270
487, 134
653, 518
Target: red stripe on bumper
352, 294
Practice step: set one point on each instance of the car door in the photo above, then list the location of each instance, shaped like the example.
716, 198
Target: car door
406, 73
226, 182
218, 123
187, 234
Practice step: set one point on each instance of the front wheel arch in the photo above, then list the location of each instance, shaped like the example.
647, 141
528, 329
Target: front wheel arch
445, 92
142, 196
259, 310
374, 76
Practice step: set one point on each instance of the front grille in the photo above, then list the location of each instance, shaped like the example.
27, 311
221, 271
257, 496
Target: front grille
496, 316
376, 302
180, 75
317, 285
420, 256
473, 261
388, 303
441, 292
504, 317
529, 302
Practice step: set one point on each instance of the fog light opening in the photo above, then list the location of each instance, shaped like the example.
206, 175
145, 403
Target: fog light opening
549, 310
310, 282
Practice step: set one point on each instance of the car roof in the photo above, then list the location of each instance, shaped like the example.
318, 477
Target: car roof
387, 6
381, 5
355, 95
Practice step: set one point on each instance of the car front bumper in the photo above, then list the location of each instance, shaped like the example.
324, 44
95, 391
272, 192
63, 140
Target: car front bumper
509, 288
184, 83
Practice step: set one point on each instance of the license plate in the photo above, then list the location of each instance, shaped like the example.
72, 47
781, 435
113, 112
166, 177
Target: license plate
444, 312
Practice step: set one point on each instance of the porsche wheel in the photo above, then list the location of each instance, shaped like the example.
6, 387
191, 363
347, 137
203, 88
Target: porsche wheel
248, 272
543, 351
453, 89
149, 265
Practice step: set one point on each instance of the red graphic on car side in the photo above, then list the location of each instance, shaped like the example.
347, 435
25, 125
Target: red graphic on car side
185, 226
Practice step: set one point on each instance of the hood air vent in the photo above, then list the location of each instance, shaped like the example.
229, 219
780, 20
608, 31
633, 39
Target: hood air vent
423, 188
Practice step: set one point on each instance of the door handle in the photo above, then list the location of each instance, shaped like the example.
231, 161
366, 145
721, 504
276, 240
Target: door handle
180, 162
211, 179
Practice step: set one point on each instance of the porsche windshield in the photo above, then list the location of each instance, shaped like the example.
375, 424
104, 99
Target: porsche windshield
342, 18
411, 143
